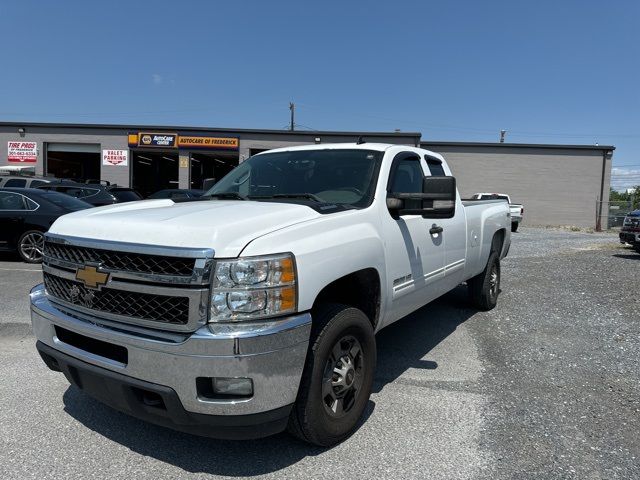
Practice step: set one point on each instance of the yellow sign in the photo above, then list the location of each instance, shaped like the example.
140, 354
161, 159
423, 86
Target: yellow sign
184, 162
208, 142
91, 277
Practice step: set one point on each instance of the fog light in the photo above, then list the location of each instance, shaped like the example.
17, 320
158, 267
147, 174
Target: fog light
233, 387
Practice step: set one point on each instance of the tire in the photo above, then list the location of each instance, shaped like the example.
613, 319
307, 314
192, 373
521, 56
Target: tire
30, 246
484, 288
334, 390
514, 226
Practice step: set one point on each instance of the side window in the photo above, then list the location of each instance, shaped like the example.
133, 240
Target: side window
11, 201
36, 183
16, 182
31, 205
407, 176
435, 167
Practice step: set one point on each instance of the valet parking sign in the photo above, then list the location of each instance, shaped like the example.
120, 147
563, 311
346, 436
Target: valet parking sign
115, 157
22, 152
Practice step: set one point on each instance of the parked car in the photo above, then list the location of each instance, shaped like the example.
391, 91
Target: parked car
516, 209
176, 193
22, 181
26, 213
94, 193
254, 308
630, 232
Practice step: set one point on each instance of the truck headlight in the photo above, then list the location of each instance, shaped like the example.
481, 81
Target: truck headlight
253, 287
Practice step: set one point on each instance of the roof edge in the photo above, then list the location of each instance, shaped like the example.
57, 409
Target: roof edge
516, 145
18, 124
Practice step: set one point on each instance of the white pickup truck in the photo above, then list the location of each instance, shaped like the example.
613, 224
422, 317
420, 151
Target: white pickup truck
516, 209
254, 308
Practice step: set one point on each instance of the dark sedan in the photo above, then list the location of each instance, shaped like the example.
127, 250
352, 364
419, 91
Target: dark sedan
94, 193
26, 213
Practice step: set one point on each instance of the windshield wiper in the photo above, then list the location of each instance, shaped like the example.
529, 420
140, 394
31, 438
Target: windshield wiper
309, 196
228, 195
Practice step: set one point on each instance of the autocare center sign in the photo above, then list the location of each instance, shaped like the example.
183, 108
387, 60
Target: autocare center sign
173, 140
22, 152
115, 157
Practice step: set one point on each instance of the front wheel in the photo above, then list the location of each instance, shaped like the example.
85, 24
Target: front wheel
30, 246
484, 288
337, 378
514, 226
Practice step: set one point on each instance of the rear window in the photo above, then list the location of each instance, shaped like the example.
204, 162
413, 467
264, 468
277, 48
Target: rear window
65, 201
16, 182
123, 195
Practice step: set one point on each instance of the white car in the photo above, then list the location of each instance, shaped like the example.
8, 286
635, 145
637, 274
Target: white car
516, 209
255, 307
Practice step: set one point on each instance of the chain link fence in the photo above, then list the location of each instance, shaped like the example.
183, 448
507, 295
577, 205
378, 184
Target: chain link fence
611, 214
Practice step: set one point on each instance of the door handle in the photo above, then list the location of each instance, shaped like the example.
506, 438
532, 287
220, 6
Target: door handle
435, 230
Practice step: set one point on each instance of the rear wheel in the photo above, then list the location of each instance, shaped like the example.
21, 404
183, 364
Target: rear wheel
31, 245
337, 378
514, 226
485, 287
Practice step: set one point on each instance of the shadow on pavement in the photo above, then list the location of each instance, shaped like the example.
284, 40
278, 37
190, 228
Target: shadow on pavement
400, 346
404, 344
633, 256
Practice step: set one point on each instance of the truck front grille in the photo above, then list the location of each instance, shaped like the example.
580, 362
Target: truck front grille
145, 306
123, 261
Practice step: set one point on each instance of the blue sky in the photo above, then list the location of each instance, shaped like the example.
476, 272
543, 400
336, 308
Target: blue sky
546, 71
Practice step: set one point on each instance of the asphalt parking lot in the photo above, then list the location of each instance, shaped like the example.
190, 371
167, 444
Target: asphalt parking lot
547, 385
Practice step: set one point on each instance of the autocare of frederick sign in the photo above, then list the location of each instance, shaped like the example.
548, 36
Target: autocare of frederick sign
22, 152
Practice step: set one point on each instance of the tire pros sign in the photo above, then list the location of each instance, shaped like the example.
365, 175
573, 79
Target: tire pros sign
22, 152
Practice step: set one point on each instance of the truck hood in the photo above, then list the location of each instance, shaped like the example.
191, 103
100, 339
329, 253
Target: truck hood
227, 226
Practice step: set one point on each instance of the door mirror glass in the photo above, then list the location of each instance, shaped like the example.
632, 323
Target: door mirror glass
437, 200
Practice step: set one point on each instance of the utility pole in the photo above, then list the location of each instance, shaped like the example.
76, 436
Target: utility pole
292, 107
502, 134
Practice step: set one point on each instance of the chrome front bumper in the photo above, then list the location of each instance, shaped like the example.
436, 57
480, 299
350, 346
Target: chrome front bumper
272, 353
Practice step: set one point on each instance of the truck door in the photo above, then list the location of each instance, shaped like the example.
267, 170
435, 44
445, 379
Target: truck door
454, 232
415, 258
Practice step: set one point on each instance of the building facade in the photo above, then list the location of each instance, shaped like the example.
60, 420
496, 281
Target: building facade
152, 158
558, 184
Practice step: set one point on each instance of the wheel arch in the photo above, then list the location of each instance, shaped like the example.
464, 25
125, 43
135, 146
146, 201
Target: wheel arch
360, 289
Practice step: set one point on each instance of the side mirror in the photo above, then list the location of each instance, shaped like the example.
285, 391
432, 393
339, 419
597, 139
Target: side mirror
437, 200
207, 183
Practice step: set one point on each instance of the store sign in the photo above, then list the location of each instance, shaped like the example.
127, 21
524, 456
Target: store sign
22, 152
154, 139
208, 142
115, 157
172, 140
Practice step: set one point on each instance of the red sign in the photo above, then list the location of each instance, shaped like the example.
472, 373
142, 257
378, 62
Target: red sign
22, 152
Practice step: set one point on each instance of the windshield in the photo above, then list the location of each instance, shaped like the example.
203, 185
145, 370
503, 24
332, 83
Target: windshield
340, 176
65, 201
